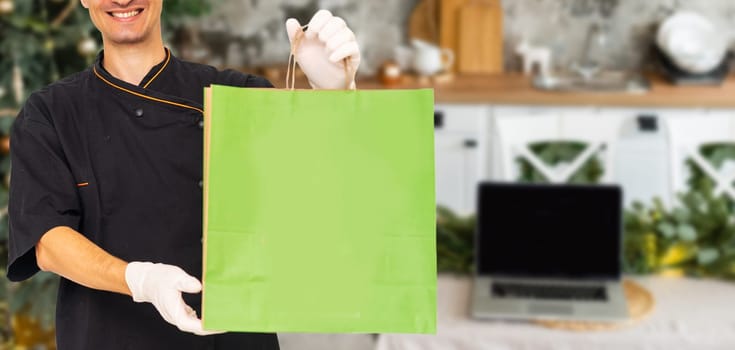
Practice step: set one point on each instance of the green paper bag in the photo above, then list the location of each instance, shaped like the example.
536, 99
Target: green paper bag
319, 211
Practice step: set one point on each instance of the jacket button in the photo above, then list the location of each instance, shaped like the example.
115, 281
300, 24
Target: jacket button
201, 184
139, 113
201, 124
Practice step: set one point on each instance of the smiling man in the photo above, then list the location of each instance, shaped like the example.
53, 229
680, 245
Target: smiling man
106, 190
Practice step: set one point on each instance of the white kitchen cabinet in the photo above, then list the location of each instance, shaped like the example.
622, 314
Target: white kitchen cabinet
456, 172
467, 148
458, 140
519, 128
642, 153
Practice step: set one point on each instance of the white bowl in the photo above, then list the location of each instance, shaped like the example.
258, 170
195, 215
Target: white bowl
692, 42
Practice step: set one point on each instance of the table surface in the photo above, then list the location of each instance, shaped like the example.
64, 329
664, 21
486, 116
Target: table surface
689, 314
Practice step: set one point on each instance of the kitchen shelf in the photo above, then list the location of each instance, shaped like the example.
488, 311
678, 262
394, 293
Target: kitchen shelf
517, 89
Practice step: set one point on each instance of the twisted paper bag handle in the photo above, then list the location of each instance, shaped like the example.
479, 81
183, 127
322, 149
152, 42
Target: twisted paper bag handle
291, 71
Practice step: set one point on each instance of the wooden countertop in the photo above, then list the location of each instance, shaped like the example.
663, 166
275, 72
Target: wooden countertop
516, 89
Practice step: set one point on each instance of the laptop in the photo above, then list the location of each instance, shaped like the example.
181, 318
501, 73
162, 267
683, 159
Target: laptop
548, 252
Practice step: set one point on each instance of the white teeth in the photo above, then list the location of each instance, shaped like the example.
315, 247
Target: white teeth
125, 14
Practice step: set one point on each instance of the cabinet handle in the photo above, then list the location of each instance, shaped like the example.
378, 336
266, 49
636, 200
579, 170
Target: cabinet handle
648, 123
470, 143
438, 119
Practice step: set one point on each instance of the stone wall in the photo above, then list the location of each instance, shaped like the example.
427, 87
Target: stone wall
563, 25
246, 33
252, 32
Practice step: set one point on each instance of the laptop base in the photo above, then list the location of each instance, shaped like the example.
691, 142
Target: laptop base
489, 305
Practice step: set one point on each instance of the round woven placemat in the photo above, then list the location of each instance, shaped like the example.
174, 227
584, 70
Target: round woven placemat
640, 305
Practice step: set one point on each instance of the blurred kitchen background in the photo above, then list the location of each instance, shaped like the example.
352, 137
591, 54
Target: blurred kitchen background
250, 33
581, 91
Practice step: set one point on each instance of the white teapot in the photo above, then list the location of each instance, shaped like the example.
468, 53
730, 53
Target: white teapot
429, 59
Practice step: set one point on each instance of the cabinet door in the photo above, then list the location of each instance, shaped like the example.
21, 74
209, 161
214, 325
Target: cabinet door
456, 157
459, 144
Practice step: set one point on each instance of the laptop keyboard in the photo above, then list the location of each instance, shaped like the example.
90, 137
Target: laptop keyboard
516, 290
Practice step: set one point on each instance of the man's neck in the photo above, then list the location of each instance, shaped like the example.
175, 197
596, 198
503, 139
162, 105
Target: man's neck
131, 63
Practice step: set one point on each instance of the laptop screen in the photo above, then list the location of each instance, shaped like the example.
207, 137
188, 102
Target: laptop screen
549, 230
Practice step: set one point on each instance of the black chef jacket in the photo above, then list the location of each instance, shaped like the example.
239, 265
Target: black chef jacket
122, 164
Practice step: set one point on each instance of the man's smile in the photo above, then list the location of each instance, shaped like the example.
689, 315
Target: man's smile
125, 15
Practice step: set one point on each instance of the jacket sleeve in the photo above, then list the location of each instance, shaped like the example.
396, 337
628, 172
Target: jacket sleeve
234, 78
43, 193
257, 81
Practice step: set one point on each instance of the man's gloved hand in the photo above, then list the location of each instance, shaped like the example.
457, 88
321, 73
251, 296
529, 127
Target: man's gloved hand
328, 41
161, 285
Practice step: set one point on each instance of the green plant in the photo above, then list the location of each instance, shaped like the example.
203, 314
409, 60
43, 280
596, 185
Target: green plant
39, 44
718, 155
696, 237
454, 242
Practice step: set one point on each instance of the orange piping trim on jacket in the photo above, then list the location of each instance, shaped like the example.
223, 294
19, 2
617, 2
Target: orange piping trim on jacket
144, 96
168, 58
83, 184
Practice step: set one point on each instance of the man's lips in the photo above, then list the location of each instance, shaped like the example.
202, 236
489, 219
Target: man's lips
126, 14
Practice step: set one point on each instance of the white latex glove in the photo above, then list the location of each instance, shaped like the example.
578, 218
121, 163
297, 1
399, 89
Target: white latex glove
327, 42
161, 285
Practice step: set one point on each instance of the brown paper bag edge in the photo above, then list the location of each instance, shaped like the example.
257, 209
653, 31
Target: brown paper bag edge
205, 184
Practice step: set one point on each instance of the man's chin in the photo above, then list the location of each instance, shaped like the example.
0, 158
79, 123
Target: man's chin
126, 39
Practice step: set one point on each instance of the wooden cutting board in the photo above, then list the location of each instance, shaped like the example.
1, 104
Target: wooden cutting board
424, 21
481, 37
449, 25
